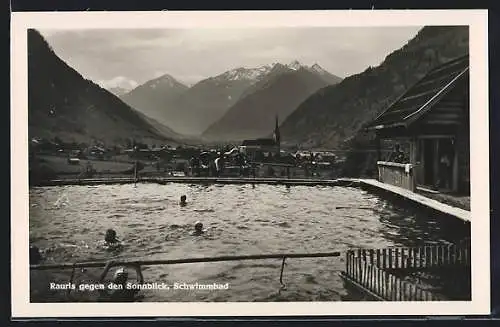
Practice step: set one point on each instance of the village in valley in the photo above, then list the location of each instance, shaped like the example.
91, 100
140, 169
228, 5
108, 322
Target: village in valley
263, 157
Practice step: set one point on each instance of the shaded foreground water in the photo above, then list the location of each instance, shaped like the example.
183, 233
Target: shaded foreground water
69, 222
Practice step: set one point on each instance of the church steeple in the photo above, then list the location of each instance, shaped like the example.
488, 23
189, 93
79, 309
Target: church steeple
276, 134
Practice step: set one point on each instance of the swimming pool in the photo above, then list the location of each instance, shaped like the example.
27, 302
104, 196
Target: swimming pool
68, 222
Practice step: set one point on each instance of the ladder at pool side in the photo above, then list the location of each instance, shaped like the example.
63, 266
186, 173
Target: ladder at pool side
377, 273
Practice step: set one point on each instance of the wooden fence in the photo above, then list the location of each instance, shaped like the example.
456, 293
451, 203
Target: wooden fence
415, 257
372, 270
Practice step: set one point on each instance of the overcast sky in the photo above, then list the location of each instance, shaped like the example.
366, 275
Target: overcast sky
126, 58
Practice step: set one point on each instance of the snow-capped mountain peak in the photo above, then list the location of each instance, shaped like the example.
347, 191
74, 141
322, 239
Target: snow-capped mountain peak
119, 84
165, 80
254, 74
294, 65
242, 73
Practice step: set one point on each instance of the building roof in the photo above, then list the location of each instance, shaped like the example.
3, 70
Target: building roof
423, 95
259, 142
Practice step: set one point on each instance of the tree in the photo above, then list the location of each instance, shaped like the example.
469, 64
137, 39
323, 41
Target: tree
58, 140
128, 143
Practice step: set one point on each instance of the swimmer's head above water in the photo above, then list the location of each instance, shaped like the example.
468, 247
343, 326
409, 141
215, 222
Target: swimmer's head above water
183, 200
198, 227
121, 276
110, 236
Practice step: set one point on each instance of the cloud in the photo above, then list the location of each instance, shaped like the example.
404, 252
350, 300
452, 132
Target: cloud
190, 80
158, 74
118, 81
189, 54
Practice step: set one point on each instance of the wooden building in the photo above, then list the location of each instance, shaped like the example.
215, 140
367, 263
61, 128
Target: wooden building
433, 118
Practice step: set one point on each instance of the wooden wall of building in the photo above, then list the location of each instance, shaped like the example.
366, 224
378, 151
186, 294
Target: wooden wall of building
450, 118
463, 145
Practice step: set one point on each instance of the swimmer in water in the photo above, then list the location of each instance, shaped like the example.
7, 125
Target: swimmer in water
183, 201
35, 256
110, 237
111, 242
119, 292
198, 229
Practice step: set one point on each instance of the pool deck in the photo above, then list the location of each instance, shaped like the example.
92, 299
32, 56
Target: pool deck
371, 184
204, 180
418, 198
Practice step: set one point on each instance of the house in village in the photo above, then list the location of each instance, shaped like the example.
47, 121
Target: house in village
96, 152
263, 148
432, 119
145, 153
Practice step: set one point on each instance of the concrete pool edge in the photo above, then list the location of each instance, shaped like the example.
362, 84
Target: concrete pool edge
376, 186
368, 184
202, 180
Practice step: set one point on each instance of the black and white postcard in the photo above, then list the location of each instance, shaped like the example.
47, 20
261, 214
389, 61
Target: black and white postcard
222, 163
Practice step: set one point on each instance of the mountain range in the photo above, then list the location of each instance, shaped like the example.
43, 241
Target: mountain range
315, 107
152, 97
193, 110
64, 104
277, 93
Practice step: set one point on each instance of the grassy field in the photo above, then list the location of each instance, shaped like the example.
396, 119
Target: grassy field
57, 167
61, 165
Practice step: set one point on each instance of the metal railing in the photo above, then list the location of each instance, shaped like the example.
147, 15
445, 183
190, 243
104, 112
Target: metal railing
140, 263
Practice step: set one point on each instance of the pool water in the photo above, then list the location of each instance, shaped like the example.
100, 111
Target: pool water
68, 223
